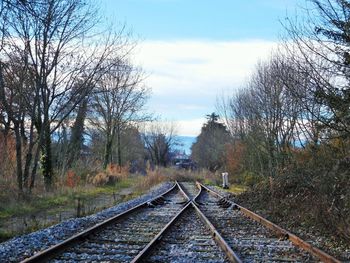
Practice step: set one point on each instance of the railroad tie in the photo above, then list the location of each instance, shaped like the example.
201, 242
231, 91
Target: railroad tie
163, 198
235, 207
158, 201
183, 202
221, 200
224, 203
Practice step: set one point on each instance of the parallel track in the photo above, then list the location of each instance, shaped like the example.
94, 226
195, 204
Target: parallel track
189, 222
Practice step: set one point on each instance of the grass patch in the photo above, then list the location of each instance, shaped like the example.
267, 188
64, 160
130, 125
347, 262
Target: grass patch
33, 212
4, 235
64, 198
237, 189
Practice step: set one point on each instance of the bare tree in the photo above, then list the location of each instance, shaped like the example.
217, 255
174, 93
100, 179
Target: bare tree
159, 138
55, 43
16, 91
320, 46
265, 114
118, 101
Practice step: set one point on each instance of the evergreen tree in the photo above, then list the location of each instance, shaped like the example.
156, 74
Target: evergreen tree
209, 149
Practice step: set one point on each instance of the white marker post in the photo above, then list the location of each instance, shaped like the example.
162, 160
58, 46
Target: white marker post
225, 180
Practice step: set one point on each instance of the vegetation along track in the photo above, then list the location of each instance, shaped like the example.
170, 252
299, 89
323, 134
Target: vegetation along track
184, 224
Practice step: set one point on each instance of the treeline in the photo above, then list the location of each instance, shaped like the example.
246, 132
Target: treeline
290, 124
67, 81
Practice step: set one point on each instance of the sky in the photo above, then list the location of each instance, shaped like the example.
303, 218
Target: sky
196, 51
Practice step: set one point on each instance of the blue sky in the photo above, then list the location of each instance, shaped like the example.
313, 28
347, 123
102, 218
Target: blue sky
200, 19
197, 50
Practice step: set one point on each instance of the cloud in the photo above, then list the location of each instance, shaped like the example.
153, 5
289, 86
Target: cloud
187, 75
190, 107
190, 127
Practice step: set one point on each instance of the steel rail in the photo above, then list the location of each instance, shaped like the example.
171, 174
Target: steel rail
231, 255
50, 252
144, 252
297, 241
183, 191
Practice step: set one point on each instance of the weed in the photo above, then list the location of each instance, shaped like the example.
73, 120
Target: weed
5, 235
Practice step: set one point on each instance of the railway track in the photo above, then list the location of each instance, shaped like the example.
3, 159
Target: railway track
121, 238
252, 237
189, 222
187, 240
252, 241
188, 237
124, 239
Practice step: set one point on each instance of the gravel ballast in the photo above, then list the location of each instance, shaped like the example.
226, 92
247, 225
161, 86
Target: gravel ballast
21, 247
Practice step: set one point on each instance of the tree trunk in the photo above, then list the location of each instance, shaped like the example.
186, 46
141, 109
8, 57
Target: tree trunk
29, 158
108, 149
77, 139
4, 155
19, 158
46, 161
119, 150
34, 169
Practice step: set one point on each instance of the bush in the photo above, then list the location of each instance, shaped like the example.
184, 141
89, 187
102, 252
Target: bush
72, 180
308, 195
110, 176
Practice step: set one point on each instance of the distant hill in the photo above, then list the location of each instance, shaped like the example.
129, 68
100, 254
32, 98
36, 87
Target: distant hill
184, 143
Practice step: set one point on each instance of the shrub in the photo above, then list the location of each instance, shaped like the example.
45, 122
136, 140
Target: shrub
119, 172
111, 175
99, 179
72, 180
154, 176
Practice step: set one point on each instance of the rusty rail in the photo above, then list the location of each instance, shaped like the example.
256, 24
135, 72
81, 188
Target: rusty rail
279, 231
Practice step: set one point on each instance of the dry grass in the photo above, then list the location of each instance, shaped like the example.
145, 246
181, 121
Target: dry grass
154, 176
160, 174
111, 175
